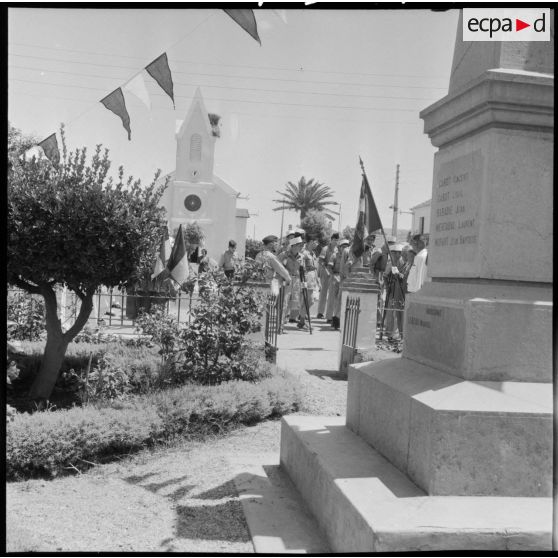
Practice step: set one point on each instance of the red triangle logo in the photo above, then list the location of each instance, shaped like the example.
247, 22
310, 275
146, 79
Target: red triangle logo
519, 25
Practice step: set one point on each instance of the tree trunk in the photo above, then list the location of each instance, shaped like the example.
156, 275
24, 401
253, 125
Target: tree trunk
57, 342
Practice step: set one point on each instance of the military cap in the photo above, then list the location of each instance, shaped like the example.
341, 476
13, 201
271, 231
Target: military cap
269, 238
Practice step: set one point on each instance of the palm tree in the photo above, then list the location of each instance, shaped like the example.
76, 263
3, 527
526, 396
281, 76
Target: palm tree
304, 196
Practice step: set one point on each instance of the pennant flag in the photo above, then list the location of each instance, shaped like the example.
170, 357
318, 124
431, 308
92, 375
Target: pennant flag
368, 218
162, 257
281, 13
159, 70
247, 20
136, 86
178, 260
50, 148
115, 102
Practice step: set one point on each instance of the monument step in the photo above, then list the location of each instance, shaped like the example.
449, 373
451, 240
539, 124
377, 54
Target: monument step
365, 504
452, 436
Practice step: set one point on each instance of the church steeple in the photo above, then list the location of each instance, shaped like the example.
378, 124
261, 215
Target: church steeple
195, 144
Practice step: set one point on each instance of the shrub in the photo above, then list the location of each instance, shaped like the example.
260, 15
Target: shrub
213, 344
27, 312
50, 443
162, 329
47, 443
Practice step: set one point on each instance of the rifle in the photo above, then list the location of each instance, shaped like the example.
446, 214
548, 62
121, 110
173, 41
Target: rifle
304, 290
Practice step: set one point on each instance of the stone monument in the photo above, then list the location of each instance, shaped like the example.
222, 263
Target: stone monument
450, 447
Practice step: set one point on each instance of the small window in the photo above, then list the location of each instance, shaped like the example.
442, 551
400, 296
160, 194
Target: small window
421, 225
195, 147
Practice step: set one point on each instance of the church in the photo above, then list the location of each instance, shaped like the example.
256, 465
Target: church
195, 193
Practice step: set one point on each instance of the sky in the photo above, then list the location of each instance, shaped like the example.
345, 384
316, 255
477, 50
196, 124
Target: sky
325, 87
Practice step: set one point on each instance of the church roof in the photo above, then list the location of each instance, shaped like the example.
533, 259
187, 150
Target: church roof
197, 102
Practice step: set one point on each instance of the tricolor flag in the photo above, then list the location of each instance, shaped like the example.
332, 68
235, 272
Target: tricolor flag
50, 148
162, 256
115, 102
178, 260
368, 218
159, 70
247, 20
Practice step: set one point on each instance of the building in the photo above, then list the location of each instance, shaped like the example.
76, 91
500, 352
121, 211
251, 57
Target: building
421, 218
195, 193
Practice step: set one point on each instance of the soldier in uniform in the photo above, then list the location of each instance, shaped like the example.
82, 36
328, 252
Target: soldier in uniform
341, 267
310, 263
325, 274
270, 264
334, 294
291, 259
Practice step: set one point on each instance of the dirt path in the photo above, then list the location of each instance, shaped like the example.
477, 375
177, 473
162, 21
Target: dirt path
181, 499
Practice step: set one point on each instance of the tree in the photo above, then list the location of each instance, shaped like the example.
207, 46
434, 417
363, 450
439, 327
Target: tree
304, 196
253, 247
349, 232
316, 223
72, 226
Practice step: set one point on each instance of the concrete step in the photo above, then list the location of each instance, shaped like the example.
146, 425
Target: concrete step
278, 520
365, 504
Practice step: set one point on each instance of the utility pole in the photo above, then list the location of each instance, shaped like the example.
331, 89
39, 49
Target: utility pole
395, 201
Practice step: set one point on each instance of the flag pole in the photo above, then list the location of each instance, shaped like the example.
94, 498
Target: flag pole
381, 225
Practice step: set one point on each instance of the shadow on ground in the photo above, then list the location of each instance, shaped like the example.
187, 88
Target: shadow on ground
331, 374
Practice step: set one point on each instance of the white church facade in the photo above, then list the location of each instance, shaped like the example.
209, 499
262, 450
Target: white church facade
195, 193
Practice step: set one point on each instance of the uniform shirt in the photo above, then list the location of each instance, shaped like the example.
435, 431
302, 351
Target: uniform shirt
228, 260
347, 261
335, 261
271, 265
309, 260
417, 273
291, 262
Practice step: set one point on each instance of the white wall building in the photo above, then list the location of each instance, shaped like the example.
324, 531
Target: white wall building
421, 218
195, 193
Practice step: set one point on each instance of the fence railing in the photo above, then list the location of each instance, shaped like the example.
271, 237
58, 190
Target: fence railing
272, 326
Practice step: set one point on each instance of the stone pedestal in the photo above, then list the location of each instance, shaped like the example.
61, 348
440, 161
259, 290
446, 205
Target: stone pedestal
360, 284
459, 430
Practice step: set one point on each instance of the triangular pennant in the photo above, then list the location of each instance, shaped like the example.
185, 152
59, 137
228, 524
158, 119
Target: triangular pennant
247, 20
281, 13
50, 148
159, 70
136, 86
115, 102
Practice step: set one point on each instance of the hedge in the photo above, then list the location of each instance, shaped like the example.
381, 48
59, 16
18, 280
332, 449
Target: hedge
50, 443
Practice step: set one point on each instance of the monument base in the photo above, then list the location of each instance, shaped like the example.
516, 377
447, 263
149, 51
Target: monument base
365, 504
452, 436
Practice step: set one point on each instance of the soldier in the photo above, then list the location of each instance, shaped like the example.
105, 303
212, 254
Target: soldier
291, 259
270, 264
325, 274
310, 263
334, 294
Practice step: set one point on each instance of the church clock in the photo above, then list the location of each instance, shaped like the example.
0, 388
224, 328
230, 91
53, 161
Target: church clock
192, 202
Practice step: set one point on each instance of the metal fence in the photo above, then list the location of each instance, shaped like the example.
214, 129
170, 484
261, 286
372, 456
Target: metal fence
115, 307
273, 314
350, 328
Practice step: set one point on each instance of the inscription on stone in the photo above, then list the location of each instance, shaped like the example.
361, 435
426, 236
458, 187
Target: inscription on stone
455, 208
436, 331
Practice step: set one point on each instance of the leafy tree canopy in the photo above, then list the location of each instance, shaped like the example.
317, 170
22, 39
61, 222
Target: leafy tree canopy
316, 224
304, 196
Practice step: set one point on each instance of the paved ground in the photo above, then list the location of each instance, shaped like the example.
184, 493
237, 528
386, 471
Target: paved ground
223, 495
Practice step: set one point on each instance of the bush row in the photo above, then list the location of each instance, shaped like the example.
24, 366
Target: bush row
46, 444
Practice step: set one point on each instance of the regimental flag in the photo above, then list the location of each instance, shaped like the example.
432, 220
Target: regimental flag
368, 218
247, 20
159, 70
50, 148
115, 102
162, 256
178, 260
136, 86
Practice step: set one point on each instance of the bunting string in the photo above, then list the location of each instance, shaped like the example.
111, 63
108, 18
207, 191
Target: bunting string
159, 70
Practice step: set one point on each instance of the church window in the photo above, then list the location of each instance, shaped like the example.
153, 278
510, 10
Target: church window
195, 147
